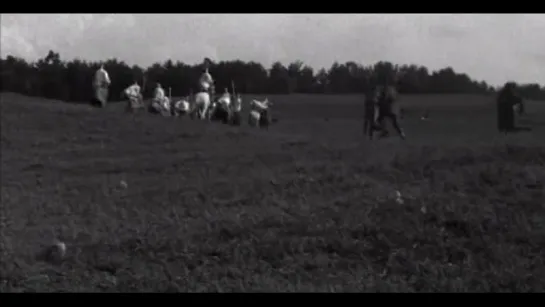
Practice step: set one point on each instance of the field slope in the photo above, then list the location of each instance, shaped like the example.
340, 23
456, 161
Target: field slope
308, 205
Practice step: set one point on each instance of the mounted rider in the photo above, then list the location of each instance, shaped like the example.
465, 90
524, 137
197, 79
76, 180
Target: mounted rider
206, 82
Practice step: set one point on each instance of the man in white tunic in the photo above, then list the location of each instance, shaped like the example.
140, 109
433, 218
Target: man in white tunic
206, 83
101, 83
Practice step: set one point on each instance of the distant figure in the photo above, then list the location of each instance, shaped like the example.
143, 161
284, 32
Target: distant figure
203, 99
221, 110
370, 114
259, 115
160, 103
225, 99
386, 100
133, 93
181, 107
236, 109
206, 83
505, 106
101, 83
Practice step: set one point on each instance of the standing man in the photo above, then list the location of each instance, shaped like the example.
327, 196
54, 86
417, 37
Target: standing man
370, 113
505, 103
386, 99
236, 108
101, 83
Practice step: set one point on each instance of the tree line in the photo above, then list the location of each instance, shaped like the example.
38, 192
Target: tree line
51, 77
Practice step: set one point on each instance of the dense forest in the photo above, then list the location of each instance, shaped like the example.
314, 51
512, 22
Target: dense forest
51, 77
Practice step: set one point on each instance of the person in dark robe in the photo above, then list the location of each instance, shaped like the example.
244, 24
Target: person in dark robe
386, 99
370, 112
505, 103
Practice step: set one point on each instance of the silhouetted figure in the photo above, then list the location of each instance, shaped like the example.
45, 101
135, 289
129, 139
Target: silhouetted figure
387, 97
505, 103
370, 112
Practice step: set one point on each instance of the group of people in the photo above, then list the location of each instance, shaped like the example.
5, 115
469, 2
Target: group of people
379, 104
379, 107
204, 104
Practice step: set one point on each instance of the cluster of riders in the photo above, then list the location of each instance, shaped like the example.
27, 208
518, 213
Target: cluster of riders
379, 106
204, 105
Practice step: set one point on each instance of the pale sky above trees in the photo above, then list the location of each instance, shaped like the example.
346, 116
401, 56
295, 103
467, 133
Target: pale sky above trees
494, 48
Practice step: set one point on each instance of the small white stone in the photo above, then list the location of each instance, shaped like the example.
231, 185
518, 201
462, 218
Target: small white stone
61, 249
123, 184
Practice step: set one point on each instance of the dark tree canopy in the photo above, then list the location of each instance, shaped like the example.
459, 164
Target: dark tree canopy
52, 77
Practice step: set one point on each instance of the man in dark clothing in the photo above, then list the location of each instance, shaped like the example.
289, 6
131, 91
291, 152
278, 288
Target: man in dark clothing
505, 103
387, 97
370, 112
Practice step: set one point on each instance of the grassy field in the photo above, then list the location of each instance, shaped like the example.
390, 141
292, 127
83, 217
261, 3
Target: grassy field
308, 205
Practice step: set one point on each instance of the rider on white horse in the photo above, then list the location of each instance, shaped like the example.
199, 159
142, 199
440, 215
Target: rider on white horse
206, 82
202, 98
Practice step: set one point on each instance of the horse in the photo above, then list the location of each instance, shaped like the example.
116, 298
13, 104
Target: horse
201, 105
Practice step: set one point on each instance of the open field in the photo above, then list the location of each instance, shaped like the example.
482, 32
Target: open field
306, 206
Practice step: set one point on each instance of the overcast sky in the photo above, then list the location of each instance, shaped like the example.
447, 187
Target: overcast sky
494, 48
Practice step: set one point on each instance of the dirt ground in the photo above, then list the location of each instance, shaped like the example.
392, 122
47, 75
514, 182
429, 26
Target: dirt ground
145, 203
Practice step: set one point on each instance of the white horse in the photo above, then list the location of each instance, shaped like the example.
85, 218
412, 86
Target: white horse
201, 105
